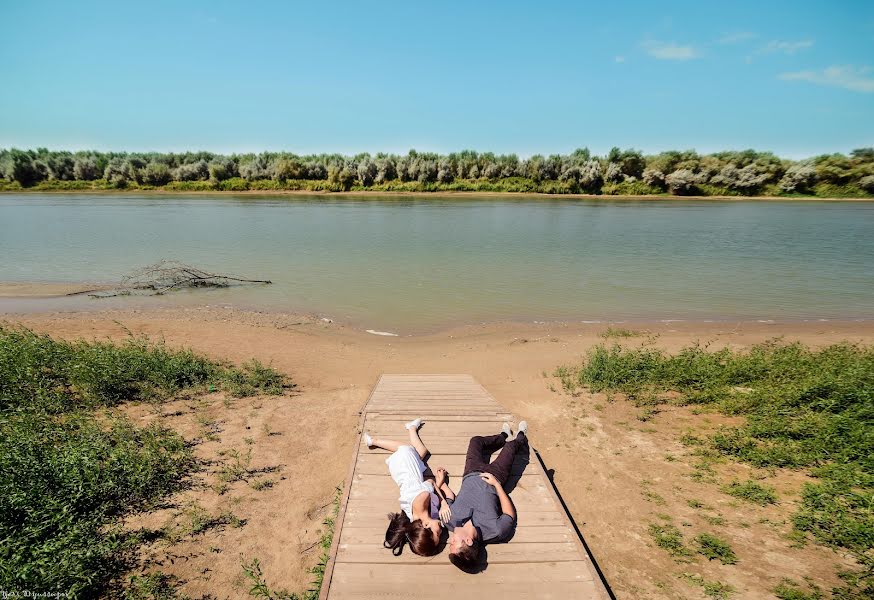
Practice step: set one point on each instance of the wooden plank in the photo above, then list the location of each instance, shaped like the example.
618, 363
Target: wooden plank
395, 415
464, 590
514, 552
437, 573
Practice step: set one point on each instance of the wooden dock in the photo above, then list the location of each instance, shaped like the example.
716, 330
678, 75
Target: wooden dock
545, 559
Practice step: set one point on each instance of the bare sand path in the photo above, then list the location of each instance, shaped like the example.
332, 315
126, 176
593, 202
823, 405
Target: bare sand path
616, 473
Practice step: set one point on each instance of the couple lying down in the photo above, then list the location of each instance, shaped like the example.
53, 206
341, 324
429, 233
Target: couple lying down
480, 513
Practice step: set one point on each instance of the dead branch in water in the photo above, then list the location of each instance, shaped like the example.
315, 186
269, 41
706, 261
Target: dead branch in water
168, 275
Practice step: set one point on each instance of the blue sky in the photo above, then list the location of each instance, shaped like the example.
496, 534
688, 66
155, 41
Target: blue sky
526, 77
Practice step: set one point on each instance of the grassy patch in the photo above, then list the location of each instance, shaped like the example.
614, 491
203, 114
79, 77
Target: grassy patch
71, 468
714, 548
803, 408
38, 372
668, 538
153, 586
751, 491
789, 590
712, 589
618, 332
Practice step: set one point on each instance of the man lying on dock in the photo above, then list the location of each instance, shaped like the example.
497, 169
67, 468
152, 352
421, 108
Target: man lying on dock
482, 512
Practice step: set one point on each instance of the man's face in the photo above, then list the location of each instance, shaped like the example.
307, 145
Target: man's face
461, 537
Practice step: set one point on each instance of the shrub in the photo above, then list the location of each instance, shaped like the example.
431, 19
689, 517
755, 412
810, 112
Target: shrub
714, 548
668, 538
751, 492
69, 473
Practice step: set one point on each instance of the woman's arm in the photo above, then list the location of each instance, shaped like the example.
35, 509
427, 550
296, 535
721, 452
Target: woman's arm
441, 484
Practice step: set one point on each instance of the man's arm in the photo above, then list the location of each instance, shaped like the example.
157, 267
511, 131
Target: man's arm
506, 504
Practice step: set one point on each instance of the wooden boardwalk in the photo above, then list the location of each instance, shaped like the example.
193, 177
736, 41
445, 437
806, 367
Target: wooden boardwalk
545, 558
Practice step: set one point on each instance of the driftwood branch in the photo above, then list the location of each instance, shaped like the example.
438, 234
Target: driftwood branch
168, 275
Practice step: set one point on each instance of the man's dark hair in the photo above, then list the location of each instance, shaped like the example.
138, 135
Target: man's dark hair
467, 558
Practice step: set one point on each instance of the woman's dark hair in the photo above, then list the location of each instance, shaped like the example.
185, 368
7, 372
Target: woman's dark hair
403, 531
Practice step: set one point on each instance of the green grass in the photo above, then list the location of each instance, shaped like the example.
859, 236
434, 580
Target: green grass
71, 468
668, 538
618, 332
751, 491
712, 589
714, 548
802, 408
789, 590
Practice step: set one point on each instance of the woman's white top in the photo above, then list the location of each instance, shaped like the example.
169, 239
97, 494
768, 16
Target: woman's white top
407, 468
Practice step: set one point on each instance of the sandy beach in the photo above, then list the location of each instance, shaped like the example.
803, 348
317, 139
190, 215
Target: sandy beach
616, 473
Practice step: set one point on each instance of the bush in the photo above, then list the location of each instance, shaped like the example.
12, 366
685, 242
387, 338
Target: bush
66, 480
69, 473
751, 492
714, 548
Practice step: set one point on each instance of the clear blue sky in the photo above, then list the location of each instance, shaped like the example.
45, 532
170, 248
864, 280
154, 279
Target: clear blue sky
794, 77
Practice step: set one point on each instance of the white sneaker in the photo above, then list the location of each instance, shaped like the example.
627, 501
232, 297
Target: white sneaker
414, 424
368, 440
505, 428
523, 428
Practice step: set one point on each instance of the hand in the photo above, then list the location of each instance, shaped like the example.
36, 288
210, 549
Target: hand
490, 479
445, 512
440, 476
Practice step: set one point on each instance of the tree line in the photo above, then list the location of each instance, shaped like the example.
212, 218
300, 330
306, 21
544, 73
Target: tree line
629, 171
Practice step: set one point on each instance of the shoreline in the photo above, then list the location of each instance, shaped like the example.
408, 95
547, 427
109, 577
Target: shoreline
50, 298
426, 194
522, 331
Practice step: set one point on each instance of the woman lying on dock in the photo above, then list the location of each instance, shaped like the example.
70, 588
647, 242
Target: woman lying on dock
422, 495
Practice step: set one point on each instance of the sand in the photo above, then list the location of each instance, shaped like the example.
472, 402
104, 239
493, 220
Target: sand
616, 473
47, 290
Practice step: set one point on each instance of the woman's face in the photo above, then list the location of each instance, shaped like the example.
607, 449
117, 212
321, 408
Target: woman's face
434, 526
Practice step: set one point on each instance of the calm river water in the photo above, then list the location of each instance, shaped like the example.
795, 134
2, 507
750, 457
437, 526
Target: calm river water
409, 263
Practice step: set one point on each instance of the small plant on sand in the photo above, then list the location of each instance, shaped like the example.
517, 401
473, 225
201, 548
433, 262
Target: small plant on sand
259, 587
712, 589
647, 413
237, 466
262, 483
714, 548
618, 332
153, 586
195, 519
751, 492
789, 590
668, 538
